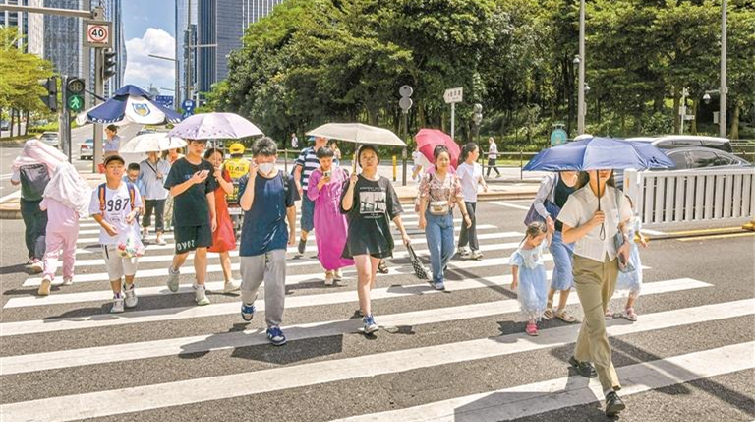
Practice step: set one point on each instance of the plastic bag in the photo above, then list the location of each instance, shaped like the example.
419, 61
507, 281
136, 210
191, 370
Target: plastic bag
130, 246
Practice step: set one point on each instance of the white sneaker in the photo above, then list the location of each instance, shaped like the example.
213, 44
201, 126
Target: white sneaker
476, 255
338, 275
131, 299
44, 287
173, 279
67, 281
117, 304
231, 286
199, 295
465, 253
36, 266
328, 276
160, 241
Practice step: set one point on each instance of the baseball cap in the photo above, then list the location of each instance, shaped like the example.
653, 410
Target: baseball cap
113, 158
236, 149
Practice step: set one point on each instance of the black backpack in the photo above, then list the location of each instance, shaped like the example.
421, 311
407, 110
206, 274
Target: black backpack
34, 180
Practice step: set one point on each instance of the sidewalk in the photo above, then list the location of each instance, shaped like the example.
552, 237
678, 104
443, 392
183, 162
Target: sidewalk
508, 187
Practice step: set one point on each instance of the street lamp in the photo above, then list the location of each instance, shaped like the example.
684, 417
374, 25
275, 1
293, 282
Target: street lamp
581, 96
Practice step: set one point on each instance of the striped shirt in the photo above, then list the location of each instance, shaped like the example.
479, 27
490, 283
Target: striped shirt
309, 162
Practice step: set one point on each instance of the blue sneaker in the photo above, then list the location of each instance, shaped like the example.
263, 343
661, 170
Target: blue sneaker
247, 311
370, 326
276, 337
439, 285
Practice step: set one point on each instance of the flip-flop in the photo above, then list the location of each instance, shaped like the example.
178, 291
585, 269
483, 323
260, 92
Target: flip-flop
629, 314
548, 314
563, 316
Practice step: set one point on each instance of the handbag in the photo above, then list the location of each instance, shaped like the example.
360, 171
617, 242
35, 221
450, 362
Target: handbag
419, 269
438, 207
618, 241
553, 209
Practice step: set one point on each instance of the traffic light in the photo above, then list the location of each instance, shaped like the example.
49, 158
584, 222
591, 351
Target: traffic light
51, 98
108, 63
75, 88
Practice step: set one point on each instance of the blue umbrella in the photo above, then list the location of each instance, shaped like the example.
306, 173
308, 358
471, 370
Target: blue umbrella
599, 153
130, 104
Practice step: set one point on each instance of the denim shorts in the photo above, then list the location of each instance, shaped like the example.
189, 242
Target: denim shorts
563, 279
307, 214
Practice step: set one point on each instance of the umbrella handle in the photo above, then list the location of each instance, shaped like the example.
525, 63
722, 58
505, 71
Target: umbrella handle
354, 164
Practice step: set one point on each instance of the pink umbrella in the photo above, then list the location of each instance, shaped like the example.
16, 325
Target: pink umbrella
428, 139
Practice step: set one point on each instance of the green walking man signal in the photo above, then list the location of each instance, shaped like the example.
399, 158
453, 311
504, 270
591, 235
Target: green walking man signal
75, 88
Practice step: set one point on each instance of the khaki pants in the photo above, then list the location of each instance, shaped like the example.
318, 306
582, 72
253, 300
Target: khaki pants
595, 281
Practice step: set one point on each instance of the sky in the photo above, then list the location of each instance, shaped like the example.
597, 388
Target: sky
149, 28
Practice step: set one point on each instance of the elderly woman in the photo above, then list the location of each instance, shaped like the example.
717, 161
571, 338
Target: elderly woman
439, 192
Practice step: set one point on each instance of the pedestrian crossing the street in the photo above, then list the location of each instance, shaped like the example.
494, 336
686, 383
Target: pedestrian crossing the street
454, 355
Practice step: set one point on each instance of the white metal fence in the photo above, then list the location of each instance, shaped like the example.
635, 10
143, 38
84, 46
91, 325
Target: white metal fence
679, 196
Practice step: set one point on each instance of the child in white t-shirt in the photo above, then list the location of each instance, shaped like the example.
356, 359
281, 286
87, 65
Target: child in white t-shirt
115, 206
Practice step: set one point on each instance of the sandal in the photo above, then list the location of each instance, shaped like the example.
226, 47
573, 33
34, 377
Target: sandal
629, 314
382, 267
564, 316
531, 329
548, 314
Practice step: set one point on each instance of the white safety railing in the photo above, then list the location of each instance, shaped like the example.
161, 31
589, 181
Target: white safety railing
701, 195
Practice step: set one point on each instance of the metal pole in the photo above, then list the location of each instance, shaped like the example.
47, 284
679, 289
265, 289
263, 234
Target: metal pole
189, 81
452, 121
65, 121
582, 60
404, 153
722, 110
99, 88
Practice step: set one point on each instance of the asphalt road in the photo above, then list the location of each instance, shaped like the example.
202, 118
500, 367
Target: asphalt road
459, 355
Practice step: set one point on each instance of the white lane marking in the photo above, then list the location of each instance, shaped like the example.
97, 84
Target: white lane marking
106, 295
546, 396
311, 248
155, 272
512, 205
14, 195
212, 342
197, 390
232, 308
312, 237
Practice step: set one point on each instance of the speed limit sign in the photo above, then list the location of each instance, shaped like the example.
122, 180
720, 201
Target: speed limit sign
98, 33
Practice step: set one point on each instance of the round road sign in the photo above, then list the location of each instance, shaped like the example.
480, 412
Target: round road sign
97, 33
406, 91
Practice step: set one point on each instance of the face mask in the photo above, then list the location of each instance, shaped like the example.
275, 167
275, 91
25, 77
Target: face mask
267, 168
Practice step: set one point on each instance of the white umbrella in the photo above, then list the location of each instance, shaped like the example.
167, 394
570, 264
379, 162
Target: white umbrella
215, 126
152, 142
357, 133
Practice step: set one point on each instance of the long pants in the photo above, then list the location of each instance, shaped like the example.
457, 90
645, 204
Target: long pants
36, 224
595, 282
492, 166
469, 235
440, 241
55, 242
270, 268
158, 205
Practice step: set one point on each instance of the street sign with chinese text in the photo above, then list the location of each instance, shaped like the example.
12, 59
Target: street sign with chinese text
453, 95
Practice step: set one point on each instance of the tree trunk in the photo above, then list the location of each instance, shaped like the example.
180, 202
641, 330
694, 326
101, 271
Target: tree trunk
675, 110
734, 131
12, 121
18, 122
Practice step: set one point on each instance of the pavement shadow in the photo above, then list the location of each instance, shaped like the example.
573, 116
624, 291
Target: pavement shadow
467, 274
14, 269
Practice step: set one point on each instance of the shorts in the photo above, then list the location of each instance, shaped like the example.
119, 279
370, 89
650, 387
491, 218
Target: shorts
118, 266
191, 238
307, 214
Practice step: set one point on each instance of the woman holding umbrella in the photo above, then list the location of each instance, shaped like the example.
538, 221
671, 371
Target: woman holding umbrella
591, 217
370, 202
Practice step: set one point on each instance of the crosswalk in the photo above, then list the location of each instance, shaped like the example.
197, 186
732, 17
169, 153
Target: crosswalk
169, 360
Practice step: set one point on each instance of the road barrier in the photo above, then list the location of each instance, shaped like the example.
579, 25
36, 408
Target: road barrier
688, 196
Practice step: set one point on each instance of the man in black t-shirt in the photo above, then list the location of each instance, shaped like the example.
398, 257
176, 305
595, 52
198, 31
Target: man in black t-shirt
194, 217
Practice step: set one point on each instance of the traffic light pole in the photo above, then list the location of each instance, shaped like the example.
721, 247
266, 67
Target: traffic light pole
99, 90
65, 121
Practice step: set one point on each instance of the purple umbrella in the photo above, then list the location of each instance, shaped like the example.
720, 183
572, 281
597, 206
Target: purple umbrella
215, 126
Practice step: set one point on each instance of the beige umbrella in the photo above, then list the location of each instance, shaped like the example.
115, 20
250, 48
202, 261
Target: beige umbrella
357, 133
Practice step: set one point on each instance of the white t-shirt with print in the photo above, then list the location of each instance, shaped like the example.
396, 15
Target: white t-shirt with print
117, 207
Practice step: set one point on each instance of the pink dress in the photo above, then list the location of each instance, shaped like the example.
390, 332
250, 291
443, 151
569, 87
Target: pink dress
331, 226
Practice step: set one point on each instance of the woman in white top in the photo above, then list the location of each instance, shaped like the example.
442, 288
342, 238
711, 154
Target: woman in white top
469, 173
492, 157
592, 224
153, 170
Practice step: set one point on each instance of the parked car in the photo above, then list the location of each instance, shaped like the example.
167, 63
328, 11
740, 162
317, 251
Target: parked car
50, 138
680, 141
87, 150
5, 125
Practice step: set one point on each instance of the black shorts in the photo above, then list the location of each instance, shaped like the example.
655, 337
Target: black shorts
190, 238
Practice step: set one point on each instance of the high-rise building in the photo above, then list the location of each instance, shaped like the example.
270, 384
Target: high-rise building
223, 22
184, 34
29, 26
63, 38
114, 14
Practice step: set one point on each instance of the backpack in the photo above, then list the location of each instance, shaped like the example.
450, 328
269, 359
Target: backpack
101, 194
34, 180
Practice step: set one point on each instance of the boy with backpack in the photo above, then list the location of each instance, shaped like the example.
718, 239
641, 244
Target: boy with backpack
115, 205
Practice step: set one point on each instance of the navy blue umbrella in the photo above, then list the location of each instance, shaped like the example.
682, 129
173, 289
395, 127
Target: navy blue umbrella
130, 104
599, 153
